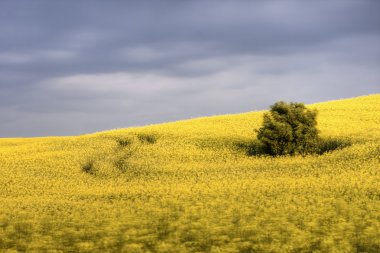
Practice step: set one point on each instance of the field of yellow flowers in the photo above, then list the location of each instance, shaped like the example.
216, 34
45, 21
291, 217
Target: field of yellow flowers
189, 186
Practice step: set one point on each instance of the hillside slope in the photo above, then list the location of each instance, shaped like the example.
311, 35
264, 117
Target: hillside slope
188, 186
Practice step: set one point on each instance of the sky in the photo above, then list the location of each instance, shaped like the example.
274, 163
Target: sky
76, 67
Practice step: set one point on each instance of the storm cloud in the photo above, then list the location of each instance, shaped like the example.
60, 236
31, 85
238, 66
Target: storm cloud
73, 67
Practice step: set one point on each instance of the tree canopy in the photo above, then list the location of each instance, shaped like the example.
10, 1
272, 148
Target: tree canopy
288, 129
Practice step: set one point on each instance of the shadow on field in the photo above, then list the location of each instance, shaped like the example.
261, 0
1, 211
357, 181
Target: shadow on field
252, 148
325, 145
331, 144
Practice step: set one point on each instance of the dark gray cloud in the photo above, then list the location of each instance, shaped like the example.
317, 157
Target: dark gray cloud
71, 67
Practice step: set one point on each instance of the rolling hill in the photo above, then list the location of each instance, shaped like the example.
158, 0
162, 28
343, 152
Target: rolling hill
189, 186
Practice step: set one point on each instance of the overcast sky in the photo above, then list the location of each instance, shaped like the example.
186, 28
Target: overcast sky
73, 67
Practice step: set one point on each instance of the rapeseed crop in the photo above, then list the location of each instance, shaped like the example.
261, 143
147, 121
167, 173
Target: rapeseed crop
188, 186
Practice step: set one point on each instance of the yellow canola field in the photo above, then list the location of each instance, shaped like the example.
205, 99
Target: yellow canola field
189, 186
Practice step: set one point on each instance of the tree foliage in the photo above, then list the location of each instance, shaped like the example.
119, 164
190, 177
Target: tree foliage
289, 129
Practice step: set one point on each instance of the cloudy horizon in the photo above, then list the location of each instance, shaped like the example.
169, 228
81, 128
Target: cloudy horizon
76, 67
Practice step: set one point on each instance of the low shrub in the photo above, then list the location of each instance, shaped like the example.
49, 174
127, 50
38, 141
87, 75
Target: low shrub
122, 142
88, 167
121, 163
147, 138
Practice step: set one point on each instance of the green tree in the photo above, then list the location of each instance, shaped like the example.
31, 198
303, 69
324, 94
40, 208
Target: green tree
288, 129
